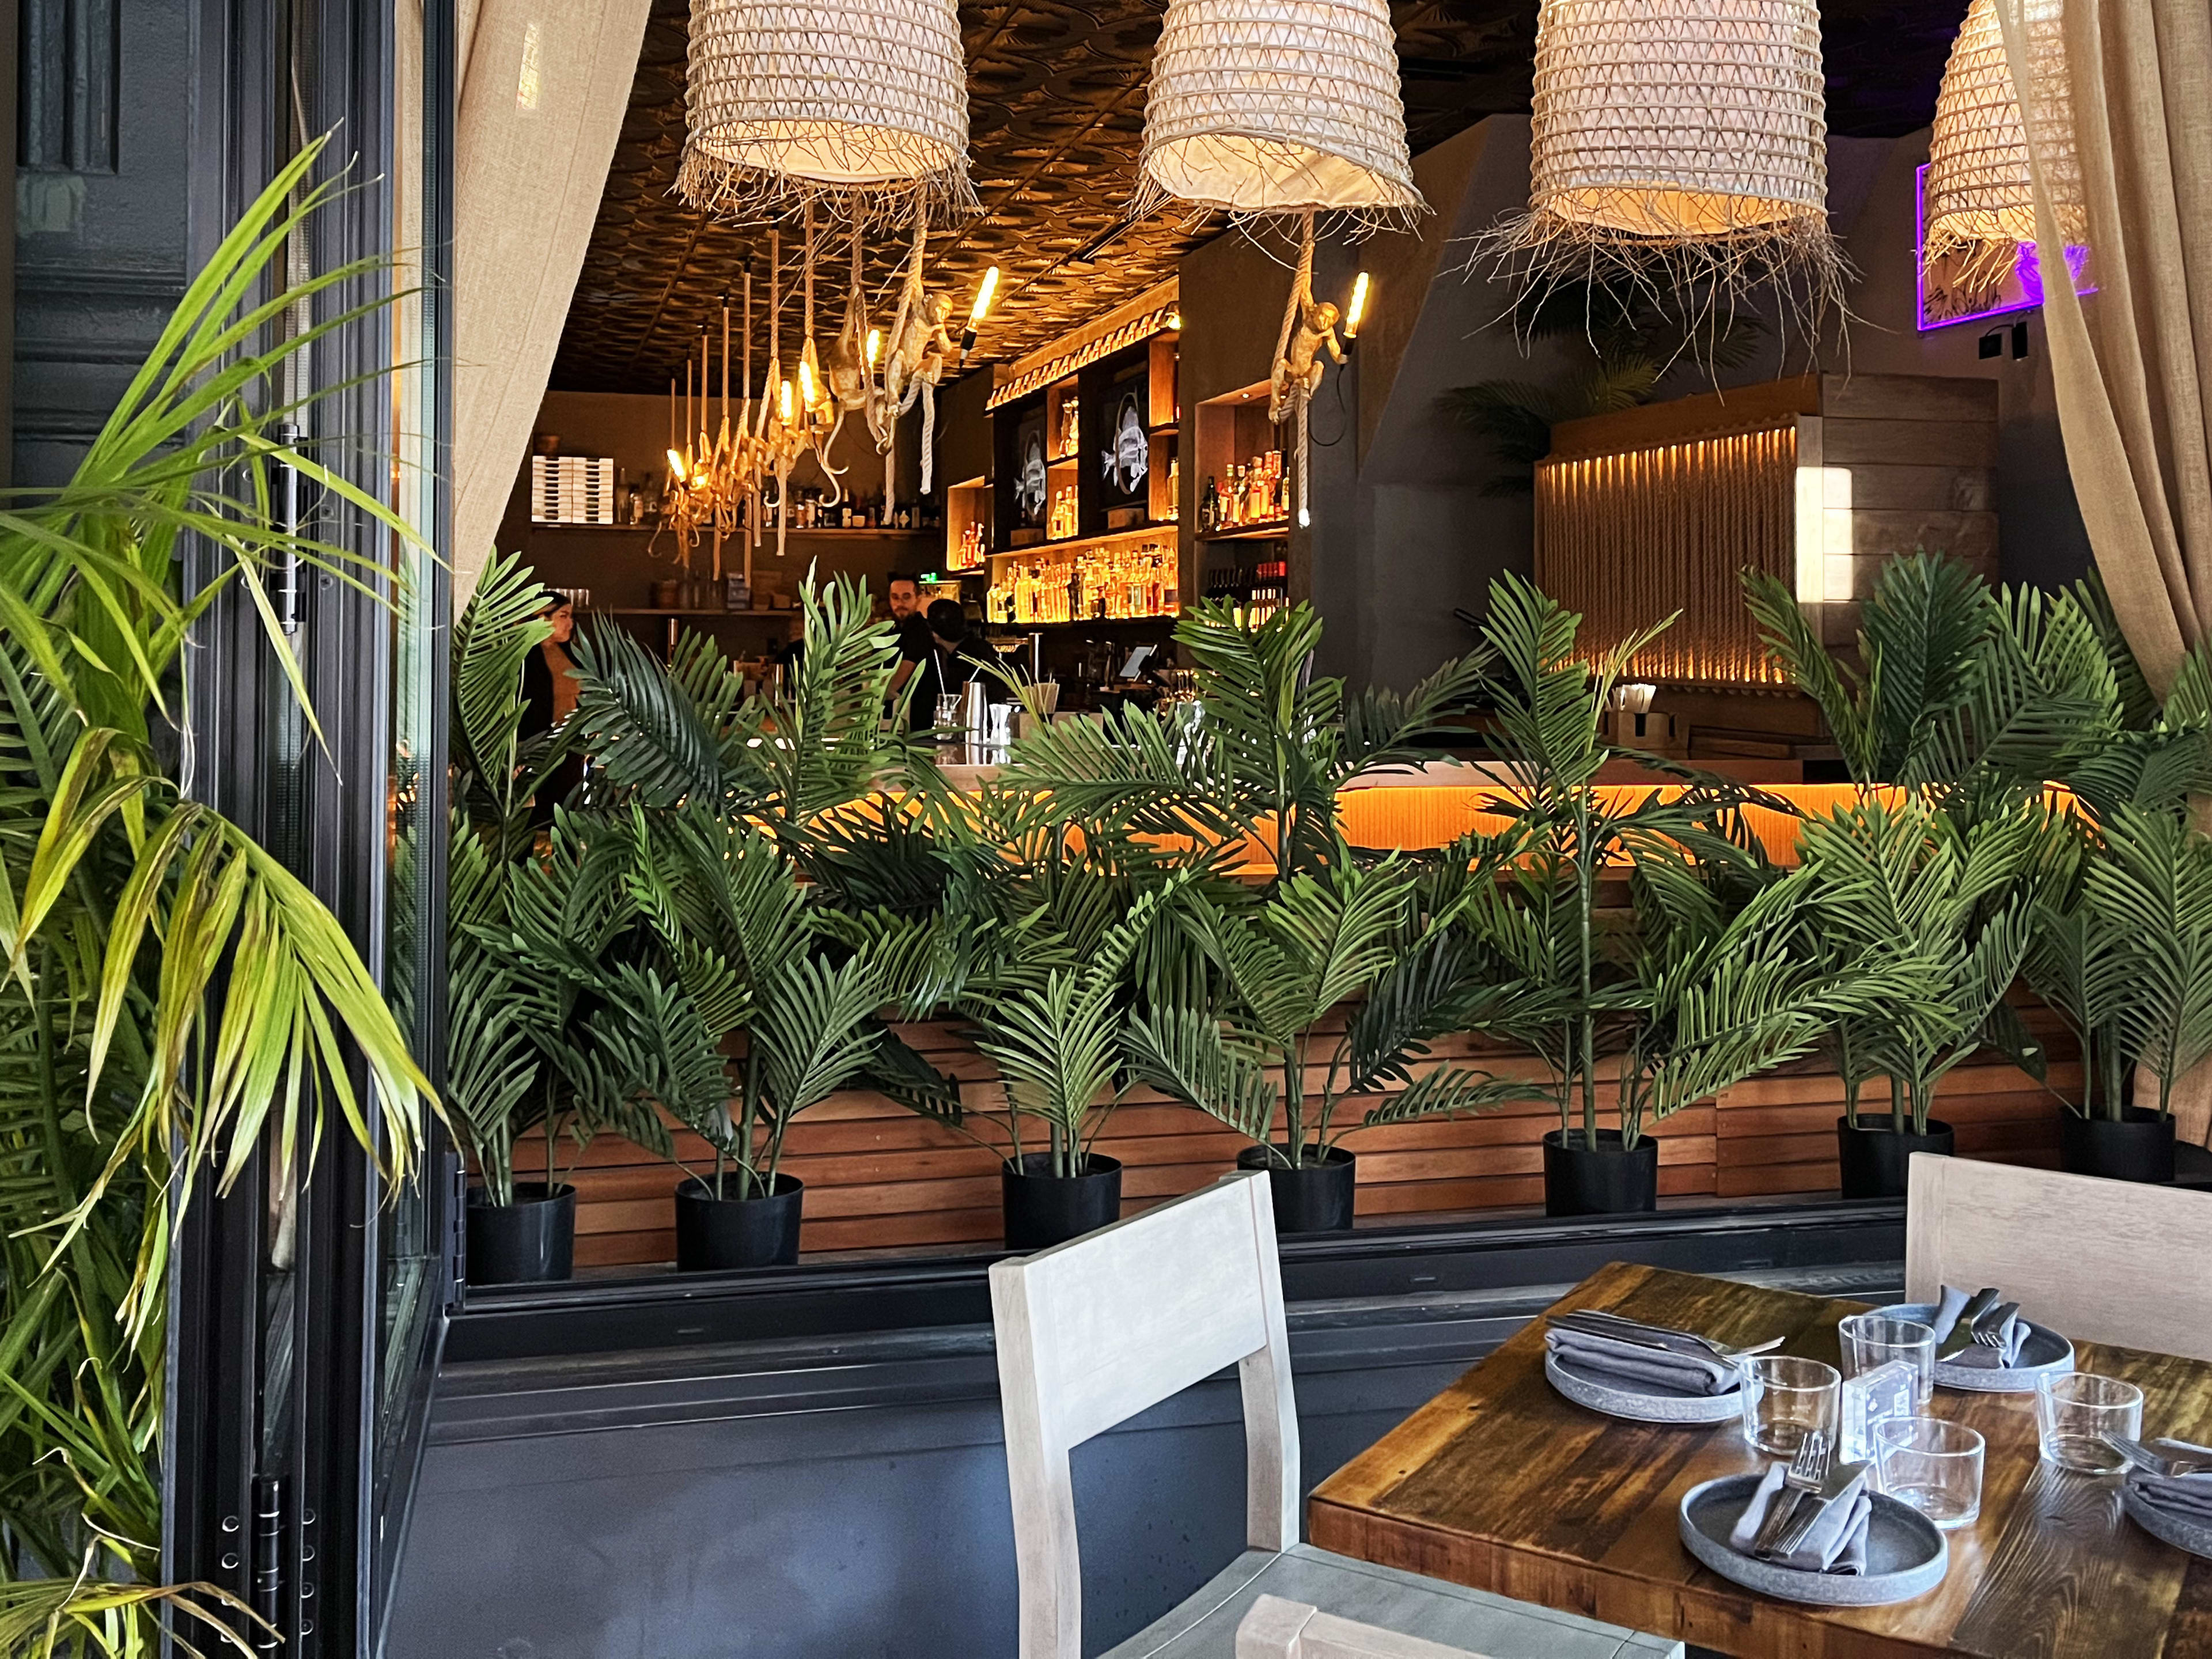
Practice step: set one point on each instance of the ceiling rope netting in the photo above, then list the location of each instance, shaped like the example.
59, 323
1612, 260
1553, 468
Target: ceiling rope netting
1265, 106
853, 101
1980, 198
1679, 145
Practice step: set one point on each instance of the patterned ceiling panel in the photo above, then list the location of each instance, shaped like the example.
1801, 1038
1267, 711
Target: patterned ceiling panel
1056, 104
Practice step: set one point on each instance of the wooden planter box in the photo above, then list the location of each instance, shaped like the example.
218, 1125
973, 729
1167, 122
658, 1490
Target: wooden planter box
879, 1177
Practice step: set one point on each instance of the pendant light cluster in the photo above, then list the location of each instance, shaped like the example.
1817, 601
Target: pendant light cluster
856, 100
1258, 107
1680, 146
1980, 191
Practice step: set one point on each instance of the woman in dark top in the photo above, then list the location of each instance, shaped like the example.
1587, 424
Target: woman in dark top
549, 697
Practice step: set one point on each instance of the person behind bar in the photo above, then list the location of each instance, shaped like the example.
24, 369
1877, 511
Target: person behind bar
550, 687
911, 630
957, 654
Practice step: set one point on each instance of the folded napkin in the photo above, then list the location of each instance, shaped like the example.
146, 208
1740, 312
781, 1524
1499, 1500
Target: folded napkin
1639, 1368
2184, 1496
2004, 1354
1836, 1542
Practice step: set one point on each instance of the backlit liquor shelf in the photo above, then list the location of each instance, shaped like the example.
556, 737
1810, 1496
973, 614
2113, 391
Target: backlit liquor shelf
1129, 577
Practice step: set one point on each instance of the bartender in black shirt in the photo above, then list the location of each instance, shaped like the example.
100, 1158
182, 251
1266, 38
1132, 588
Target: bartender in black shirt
910, 629
956, 655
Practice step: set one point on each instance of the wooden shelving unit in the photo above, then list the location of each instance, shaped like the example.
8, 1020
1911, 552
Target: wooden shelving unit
1264, 530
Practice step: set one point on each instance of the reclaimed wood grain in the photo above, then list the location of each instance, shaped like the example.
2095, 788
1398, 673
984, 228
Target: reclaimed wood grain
1500, 1484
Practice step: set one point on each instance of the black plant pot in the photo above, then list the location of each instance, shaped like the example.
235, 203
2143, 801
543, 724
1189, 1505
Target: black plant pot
1043, 1209
1314, 1198
2138, 1147
1602, 1179
713, 1232
1874, 1157
530, 1242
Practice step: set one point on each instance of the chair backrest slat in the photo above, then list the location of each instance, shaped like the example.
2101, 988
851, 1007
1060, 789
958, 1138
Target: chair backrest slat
1093, 1331
2116, 1262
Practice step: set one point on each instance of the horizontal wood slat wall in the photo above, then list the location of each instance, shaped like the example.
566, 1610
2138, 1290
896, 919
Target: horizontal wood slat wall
880, 1178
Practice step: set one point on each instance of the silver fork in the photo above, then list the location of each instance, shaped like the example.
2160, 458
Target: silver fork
1990, 1328
2163, 1464
1804, 1474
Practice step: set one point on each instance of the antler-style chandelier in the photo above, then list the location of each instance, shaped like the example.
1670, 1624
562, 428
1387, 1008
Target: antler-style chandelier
855, 100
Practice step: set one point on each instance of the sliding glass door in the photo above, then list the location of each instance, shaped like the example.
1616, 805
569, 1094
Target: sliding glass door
307, 1306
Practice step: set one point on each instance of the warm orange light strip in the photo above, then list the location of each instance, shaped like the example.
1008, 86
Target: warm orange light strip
1627, 539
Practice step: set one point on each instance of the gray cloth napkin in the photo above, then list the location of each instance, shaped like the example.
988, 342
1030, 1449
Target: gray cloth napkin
2184, 1496
2005, 1354
1836, 1542
1640, 1369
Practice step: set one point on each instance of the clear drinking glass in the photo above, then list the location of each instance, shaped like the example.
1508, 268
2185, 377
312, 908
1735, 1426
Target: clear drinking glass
2075, 1412
1869, 1340
948, 709
1932, 1464
1785, 1399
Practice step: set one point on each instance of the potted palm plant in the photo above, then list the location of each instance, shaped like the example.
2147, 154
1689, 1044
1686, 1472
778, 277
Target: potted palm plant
1975, 700
498, 1088
1576, 1000
1280, 969
2122, 954
1908, 890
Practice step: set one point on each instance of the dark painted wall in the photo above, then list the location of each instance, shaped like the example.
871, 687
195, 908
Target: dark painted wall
1406, 528
832, 1498
106, 104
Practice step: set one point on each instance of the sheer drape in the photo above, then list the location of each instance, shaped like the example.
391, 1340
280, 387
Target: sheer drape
544, 84
2133, 362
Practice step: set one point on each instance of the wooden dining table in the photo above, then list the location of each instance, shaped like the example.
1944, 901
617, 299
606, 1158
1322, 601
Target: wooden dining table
1501, 1484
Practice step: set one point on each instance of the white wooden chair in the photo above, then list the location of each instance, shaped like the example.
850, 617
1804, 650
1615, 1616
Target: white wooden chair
1276, 1629
2117, 1261
1091, 1333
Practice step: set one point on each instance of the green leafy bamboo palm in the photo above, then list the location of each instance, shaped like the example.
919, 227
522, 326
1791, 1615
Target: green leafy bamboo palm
172, 997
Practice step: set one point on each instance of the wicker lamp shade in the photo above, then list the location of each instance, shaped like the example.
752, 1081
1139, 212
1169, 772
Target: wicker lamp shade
1980, 199
1691, 134
1261, 107
854, 97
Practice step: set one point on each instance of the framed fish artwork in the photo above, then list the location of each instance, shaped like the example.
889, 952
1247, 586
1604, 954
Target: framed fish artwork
1121, 448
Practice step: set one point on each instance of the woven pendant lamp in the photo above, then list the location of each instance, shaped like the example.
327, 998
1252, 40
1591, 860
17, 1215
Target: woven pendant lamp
1980, 197
860, 100
1262, 106
1686, 138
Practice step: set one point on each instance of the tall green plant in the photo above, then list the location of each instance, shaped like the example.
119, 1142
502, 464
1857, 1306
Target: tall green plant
1904, 886
2122, 951
1284, 967
173, 998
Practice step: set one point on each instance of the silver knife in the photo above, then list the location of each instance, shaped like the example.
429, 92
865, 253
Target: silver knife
1812, 1504
1962, 1331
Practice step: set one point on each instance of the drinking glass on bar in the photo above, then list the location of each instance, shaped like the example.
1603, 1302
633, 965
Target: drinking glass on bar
2075, 1412
1932, 1464
1869, 1340
1785, 1399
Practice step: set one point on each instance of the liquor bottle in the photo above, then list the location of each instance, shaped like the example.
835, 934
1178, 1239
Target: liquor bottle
1209, 507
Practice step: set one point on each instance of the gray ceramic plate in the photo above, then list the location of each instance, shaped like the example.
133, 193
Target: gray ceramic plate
1585, 1389
2194, 1536
2045, 1353
1906, 1556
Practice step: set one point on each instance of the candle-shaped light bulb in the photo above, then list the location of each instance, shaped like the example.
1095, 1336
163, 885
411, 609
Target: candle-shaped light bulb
875, 345
806, 385
786, 402
676, 467
983, 295
1358, 306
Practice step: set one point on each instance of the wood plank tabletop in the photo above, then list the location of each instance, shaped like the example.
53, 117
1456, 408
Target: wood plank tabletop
1500, 1484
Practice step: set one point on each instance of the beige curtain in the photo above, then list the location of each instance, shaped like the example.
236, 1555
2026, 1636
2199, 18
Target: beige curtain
2133, 362
544, 84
